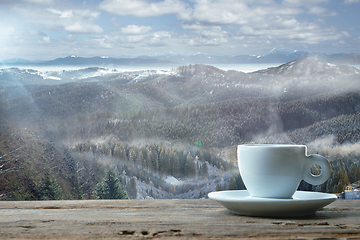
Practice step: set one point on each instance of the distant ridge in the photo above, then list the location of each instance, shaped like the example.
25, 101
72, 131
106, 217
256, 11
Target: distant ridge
281, 54
276, 55
308, 67
99, 61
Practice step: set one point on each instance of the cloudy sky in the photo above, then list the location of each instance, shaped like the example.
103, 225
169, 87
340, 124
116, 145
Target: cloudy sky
47, 29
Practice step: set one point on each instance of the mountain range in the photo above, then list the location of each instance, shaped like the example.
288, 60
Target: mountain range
301, 68
276, 55
150, 126
310, 68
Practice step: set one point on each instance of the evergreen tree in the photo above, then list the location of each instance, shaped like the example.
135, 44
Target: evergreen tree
190, 168
132, 188
174, 164
49, 189
343, 181
162, 161
154, 160
354, 173
110, 188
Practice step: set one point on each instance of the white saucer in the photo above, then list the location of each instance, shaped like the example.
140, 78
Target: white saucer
302, 204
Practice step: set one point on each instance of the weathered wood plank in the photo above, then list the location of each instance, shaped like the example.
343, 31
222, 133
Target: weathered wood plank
167, 219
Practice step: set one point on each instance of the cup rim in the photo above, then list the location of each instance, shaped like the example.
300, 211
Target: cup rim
272, 145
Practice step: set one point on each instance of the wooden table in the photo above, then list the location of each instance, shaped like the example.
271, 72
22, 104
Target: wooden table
167, 219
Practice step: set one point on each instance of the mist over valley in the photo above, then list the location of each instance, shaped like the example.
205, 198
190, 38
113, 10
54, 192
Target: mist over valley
170, 133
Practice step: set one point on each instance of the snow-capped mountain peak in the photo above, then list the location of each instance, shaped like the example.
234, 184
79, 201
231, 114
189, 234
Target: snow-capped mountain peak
310, 68
282, 50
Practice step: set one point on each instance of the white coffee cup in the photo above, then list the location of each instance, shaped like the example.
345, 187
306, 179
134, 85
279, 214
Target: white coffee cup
275, 171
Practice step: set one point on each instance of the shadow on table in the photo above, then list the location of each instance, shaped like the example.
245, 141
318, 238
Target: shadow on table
322, 214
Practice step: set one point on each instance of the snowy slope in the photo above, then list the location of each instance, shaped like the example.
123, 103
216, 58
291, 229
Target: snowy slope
307, 67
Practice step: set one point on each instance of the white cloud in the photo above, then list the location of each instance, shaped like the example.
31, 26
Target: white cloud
229, 25
212, 22
221, 12
346, 34
46, 39
70, 37
45, 2
7, 31
159, 38
142, 8
303, 2
206, 35
239, 12
351, 1
341, 43
58, 19
8, 35
39, 2
86, 13
317, 10
79, 27
301, 34
134, 29
312, 6
104, 42
259, 22
63, 14
135, 38
76, 21
254, 12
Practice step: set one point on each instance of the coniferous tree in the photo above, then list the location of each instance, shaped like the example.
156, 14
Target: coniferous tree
174, 164
354, 173
110, 188
154, 160
132, 188
162, 161
49, 189
343, 181
190, 168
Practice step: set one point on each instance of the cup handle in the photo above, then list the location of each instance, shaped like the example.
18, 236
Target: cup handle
325, 169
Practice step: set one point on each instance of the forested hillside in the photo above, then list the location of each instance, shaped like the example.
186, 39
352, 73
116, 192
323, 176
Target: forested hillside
173, 135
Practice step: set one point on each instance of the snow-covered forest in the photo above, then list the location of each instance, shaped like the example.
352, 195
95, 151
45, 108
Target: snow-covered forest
168, 134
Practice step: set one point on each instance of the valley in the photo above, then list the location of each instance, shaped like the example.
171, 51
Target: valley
170, 133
